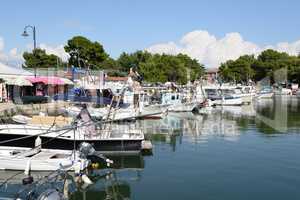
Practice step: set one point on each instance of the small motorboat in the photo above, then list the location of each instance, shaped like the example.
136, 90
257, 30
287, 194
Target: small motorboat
224, 96
21, 119
265, 93
38, 159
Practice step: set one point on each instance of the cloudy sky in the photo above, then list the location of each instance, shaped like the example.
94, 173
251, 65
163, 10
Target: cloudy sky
210, 31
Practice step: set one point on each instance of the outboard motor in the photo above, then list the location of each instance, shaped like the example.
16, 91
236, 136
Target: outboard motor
86, 149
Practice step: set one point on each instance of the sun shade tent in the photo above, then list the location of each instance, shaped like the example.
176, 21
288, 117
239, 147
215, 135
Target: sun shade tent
48, 80
18, 81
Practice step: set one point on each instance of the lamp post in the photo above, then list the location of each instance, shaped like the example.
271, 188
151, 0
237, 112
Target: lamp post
25, 34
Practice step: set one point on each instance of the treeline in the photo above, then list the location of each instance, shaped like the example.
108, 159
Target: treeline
249, 67
87, 54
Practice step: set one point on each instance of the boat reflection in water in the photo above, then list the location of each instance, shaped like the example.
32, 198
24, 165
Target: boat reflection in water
197, 128
113, 183
109, 186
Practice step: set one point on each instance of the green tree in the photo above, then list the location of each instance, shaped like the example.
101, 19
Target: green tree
38, 58
267, 64
271, 55
239, 70
84, 52
195, 68
161, 68
126, 61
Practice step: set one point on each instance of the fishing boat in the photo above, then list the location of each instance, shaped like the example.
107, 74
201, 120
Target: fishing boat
223, 96
60, 133
176, 102
121, 113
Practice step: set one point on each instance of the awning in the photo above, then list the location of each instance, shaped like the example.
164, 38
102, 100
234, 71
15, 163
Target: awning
49, 80
18, 81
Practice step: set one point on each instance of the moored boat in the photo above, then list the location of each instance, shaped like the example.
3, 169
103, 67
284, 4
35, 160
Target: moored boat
223, 96
59, 133
265, 93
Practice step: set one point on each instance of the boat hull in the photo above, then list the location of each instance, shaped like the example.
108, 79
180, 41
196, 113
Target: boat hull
228, 102
265, 95
183, 107
103, 146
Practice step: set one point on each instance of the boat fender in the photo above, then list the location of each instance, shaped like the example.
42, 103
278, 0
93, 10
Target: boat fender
27, 180
86, 179
38, 142
109, 162
28, 167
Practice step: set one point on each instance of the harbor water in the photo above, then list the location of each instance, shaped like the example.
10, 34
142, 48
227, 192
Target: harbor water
248, 152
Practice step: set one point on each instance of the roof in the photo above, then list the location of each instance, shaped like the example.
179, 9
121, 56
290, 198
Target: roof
212, 70
116, 78
49, 80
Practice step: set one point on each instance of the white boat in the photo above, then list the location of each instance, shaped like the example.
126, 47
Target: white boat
121, 113
247, 93
205, 110
21, 119
57, 135
176, 103
283, 91
40, 159
223, 96
183, 107
265, 93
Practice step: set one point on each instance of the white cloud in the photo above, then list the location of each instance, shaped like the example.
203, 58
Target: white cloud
211, 51
290, 48
56, 50
13, 57
169, 48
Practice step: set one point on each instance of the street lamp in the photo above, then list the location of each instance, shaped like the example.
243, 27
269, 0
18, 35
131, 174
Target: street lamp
25, 34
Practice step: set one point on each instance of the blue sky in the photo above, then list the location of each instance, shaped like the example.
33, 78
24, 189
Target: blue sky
128, 25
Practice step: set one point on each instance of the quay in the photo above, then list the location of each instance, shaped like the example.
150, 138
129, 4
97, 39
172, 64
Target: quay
9, 109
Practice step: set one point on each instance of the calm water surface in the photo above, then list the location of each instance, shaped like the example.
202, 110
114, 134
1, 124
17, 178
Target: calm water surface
249, 152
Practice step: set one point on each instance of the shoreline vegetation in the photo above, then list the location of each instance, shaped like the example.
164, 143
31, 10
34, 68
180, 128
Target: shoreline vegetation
163, 67
153, 67
279, 67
